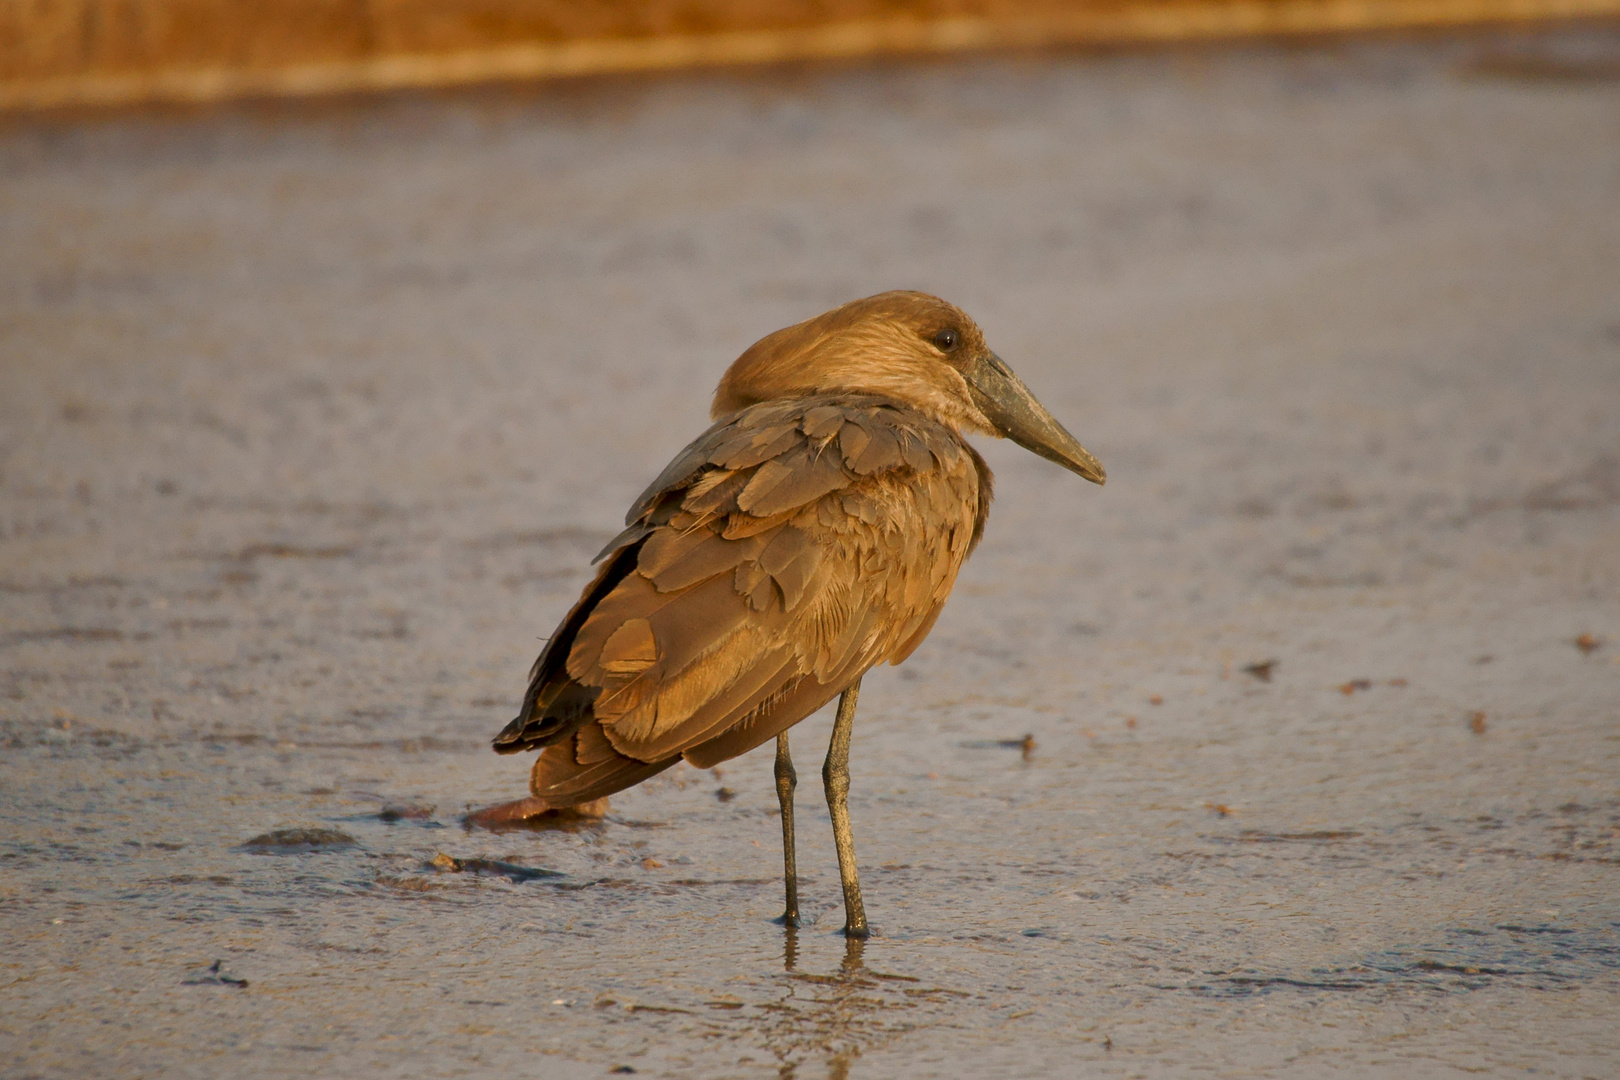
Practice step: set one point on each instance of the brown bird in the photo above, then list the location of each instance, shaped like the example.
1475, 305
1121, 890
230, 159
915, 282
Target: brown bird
813, 531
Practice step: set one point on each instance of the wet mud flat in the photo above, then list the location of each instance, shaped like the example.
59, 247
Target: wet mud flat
310, 421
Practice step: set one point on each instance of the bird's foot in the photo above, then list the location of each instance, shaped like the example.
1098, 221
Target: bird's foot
532, 812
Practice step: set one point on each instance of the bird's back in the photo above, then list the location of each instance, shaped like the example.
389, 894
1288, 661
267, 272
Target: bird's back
783, 553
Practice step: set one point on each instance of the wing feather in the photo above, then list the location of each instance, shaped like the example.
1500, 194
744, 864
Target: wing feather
675, 560
753, 447
792, 480
773, 717
763, 676
791, 559
879, 451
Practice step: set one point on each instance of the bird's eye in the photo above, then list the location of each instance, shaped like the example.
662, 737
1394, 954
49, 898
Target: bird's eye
946, 340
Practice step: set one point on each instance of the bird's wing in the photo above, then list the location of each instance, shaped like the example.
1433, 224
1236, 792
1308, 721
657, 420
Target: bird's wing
784, 552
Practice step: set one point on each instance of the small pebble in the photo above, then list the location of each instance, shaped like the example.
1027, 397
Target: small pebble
1261, 669
214, 975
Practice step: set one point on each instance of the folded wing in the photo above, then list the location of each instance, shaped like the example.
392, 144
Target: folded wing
787, 550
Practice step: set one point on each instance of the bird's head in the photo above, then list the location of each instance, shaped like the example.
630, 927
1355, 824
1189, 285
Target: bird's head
914, 349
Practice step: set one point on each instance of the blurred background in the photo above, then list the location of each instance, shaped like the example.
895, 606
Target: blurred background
62, 52
335, 338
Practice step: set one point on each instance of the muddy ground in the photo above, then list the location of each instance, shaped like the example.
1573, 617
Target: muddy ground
311, 417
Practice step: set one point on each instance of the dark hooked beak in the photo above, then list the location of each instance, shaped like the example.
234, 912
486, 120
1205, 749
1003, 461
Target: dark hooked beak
1013, 411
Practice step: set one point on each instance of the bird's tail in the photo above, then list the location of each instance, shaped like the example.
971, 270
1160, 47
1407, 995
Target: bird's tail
543, 723
584, 766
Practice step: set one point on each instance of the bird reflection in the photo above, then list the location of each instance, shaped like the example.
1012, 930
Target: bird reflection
790, 948
836, 1017
854, 956
854, 953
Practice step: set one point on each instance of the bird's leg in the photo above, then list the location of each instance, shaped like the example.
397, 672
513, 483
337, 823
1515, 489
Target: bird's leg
786, 781
835, 775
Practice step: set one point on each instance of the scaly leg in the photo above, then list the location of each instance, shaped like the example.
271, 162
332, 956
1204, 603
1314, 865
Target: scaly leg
786, 781
835, 775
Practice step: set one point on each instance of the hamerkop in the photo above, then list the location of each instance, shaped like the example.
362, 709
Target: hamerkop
813, 531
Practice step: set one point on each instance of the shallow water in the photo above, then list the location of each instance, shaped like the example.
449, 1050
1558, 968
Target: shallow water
311, 419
